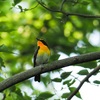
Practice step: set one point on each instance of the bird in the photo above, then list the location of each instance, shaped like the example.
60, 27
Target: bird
41, 55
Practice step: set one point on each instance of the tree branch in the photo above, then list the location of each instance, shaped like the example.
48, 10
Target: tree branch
68, 13
82, 82
48, 67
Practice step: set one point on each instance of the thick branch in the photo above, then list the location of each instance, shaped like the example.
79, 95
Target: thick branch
84, 80
48, 67
68, 13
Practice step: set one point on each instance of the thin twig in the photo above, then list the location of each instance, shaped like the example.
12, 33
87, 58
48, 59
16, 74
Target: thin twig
61, 7
84, 80
68, 13
31, 8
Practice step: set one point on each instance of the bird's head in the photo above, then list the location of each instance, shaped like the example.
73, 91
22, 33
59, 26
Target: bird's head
41, 42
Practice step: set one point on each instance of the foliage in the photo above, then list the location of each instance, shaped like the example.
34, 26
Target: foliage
22, 21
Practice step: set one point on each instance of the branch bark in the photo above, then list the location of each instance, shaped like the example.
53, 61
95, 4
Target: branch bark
68, 13
82, 82
48, 67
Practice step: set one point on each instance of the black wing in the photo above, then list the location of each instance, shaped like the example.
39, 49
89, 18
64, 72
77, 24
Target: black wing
35, 55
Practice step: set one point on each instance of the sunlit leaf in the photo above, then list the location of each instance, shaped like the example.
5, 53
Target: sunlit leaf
12, 96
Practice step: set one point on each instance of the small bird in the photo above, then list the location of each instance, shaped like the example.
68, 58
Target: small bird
41, 55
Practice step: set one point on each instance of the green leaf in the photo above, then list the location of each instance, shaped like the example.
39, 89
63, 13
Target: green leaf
54, 57
2, 14
20, 96
89, 65
44, 95
69, 82
18, 91
4, 48
1, 79
12, 96
20, 7
65, 95
96, 82
17, 1
26, 97
1, 63
65, 75
83, 72
9, 98
46, 79
57, 79
78, 95
66, 82
85, 2
6, 30
72, 88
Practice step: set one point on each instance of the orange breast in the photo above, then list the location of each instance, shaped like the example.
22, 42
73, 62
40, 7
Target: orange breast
44, 49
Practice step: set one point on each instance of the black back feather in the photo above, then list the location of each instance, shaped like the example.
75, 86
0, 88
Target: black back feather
35, 55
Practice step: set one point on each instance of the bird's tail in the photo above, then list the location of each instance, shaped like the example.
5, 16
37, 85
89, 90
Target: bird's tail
37, 78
